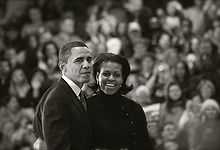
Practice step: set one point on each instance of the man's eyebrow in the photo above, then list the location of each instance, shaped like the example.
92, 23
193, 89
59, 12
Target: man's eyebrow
78, 58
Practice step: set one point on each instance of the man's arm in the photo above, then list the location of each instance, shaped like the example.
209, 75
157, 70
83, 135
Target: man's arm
56, 126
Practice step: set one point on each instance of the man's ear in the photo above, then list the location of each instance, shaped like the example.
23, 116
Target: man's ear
62, 67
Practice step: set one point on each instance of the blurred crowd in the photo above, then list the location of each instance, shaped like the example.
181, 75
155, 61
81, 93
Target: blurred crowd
173, 50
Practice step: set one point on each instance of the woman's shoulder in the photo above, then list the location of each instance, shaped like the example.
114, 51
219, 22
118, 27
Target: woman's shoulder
100, 98
131, 103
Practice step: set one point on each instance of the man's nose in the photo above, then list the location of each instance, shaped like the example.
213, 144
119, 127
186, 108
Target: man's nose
87, 64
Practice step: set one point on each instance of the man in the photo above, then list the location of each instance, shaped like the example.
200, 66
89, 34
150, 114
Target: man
64, 124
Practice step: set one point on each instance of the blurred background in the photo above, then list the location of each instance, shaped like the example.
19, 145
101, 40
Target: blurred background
173, 47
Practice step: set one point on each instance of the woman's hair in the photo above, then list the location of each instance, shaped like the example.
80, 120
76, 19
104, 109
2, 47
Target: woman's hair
186, 68
12, 86
44, 49
209, 102
109, 57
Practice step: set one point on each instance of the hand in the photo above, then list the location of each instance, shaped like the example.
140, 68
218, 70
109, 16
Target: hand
39, 144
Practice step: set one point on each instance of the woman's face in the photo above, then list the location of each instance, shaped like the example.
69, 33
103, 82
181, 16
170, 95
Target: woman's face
206, 48
51, 50
175, 92
122, 28
164, 41
147, 64
4, 67
13, 105
140, 50
180, 70
18, 76
186, 28
195, 44
171, 10
110, 77
67, 26
211, 112
35, 15
206, 91
33, 42
169, 132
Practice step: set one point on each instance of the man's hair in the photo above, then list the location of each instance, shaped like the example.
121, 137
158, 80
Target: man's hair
65, 51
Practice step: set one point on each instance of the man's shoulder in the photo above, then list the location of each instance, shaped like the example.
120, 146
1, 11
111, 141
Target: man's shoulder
60, 93
51, 92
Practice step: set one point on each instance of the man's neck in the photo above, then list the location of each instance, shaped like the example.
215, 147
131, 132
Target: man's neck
77, 83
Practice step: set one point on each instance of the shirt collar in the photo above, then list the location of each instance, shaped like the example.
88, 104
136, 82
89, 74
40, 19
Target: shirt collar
73, 86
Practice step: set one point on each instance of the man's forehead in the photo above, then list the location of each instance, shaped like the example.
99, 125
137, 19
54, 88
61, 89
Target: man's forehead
81, 51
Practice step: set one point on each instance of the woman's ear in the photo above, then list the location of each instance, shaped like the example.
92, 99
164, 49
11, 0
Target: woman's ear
97, 77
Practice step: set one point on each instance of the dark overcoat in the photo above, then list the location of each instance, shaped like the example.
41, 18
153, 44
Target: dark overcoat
117, 123
65, 123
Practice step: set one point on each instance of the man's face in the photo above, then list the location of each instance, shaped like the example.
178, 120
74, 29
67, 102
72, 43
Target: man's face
78, 66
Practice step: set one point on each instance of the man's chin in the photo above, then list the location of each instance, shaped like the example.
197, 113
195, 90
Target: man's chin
85, 80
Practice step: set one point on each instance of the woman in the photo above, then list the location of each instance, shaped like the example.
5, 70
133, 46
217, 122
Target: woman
19, 87
172, 109
117, 122
206, 89
207, 130
182, 75
49, 62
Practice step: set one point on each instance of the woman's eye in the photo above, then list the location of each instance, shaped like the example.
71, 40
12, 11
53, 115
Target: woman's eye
117, 75
107, 74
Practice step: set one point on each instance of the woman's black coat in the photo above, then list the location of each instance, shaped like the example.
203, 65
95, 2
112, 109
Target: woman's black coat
117, 123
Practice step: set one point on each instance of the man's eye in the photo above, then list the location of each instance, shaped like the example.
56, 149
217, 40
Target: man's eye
78, 60
89, 59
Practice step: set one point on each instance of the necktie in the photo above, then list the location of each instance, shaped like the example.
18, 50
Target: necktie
82, 99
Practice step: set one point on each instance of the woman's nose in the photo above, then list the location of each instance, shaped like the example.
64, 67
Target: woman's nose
111, 77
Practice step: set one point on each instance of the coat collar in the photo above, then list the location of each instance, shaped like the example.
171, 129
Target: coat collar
63, 84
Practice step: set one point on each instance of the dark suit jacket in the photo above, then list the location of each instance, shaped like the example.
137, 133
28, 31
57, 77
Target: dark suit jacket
65, 123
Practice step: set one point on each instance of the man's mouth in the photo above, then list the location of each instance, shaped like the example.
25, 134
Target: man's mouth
86, 73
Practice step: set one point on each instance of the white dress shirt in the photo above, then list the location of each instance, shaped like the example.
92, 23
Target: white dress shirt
73, 86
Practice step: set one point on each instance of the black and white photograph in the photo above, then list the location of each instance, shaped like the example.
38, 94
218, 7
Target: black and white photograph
109, 74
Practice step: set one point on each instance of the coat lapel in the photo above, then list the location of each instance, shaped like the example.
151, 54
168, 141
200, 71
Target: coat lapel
71, 94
